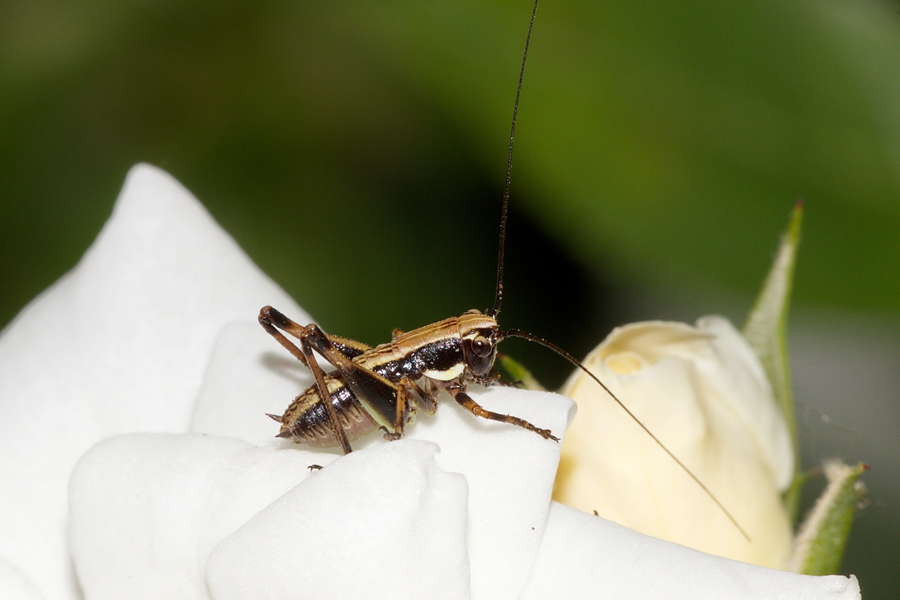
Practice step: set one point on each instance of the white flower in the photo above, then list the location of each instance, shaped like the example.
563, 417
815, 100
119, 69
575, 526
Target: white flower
145, 366
702, 392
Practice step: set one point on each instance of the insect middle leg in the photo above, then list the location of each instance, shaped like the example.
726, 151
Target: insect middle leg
411, 397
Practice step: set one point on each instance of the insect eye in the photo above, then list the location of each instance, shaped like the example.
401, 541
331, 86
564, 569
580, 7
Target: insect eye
481, 346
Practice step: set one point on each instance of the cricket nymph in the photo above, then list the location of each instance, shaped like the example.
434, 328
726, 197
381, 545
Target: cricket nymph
384, 387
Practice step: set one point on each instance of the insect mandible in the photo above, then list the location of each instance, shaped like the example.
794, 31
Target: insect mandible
385, 386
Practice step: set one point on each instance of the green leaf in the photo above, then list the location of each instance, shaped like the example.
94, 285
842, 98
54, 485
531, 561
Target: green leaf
637, 119
519, 374
766, 330
820, 543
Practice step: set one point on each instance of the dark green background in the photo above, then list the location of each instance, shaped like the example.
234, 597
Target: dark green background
356, 150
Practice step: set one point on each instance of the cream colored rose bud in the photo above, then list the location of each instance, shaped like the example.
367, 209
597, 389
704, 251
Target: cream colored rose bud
702, 391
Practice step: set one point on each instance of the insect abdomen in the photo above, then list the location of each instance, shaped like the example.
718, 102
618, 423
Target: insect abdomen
306, 420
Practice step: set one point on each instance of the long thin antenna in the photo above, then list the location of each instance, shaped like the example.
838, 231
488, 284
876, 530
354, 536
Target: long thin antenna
498, 297
525, 335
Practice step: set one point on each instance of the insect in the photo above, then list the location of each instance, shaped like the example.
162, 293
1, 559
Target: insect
385, 386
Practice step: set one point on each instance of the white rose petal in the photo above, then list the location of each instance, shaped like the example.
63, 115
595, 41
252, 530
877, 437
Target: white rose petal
162, 489
249, 375
382, 523
15, 585
615, 562
510, 473
146, 509
119, 344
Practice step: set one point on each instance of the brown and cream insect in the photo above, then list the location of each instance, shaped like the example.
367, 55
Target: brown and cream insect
385, 386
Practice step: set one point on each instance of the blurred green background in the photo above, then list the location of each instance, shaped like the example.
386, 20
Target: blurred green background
356, 150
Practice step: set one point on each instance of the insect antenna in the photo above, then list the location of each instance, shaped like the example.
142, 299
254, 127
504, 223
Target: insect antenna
533, 338
498, 296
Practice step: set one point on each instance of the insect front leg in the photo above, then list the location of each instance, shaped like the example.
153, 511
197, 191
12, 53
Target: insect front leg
476, 409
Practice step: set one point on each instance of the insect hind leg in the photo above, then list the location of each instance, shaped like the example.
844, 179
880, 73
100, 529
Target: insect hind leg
272, 321
476, 409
